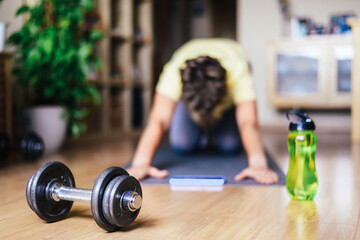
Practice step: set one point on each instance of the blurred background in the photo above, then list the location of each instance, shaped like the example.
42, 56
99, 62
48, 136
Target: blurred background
300, 53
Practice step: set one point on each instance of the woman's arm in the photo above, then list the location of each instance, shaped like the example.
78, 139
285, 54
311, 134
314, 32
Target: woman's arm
158, 122
246, 118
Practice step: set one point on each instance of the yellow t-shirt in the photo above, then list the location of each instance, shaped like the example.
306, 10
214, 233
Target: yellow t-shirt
231, 57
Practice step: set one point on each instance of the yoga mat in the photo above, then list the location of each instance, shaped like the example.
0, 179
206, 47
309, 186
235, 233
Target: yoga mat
205, 163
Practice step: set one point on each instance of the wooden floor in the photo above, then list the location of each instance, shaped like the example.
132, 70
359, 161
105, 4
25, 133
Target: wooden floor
235, 212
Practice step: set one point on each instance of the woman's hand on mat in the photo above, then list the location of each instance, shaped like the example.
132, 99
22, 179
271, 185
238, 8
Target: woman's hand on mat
141, 172
262, 175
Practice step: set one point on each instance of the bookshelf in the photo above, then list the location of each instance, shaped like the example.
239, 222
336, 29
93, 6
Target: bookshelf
126, 79
5, 94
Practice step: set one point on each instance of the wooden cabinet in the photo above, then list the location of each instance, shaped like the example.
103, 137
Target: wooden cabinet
355, 81
310, 72
5, 94
125, 81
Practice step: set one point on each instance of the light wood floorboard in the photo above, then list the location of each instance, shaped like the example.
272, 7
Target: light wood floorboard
236, 212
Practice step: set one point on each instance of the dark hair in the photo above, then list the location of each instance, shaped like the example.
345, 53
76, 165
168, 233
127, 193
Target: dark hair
204, 87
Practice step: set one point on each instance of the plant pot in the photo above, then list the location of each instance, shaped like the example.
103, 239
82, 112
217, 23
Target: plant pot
49, 122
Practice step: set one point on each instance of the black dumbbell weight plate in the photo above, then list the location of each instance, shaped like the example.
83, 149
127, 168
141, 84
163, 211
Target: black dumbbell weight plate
114, 212
32, 146
98, 193
37, 191
28, 192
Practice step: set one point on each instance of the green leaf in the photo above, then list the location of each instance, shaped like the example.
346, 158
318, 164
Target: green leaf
85, 50
34, 57
49, 92
15, 38
22, 9
97, 63
78, 113
75, 129
64, 23
96, 35
94, 93
46, 42
34, 29
87, 4
33, 81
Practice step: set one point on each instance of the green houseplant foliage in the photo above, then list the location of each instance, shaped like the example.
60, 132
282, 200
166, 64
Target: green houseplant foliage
54, 56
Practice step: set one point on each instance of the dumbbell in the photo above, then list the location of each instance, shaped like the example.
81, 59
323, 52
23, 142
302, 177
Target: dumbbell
115, 199
31, 146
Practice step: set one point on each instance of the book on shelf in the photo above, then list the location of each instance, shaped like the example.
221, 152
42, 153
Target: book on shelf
116, 109
137, 107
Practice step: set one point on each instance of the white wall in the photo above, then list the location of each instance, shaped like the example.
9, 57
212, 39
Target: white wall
260, 21
8, 9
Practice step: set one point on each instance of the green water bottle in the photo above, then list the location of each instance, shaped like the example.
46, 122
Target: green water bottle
301, 178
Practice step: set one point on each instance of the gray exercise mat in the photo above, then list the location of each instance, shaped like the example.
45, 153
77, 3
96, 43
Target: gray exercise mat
205, 163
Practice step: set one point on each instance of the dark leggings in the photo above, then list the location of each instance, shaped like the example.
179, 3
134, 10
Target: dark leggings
186, 136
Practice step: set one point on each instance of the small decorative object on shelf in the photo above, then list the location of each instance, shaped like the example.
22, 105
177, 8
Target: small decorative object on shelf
305, 26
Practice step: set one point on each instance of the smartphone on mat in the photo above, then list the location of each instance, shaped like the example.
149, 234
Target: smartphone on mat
197, 180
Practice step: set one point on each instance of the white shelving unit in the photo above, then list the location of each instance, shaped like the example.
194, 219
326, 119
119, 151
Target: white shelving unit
310, 72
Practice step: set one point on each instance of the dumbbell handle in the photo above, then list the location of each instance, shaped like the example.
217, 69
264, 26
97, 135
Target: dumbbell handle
59, 192
131, 200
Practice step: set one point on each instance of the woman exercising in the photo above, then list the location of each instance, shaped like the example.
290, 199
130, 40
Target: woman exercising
205, 97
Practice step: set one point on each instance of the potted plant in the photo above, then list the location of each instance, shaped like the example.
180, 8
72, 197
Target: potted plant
54, 57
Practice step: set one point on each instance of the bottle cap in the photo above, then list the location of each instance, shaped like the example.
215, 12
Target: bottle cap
299, 121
